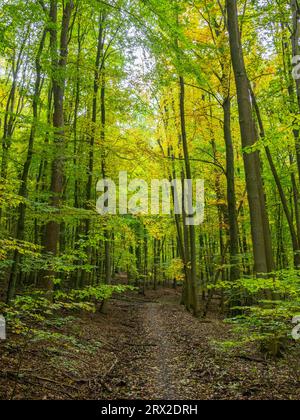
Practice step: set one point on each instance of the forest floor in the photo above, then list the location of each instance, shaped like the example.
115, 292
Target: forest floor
141, 348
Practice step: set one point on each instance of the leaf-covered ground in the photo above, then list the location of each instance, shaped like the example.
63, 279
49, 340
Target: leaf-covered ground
141, 348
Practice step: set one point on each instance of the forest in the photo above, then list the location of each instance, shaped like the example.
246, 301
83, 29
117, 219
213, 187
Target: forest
140, 301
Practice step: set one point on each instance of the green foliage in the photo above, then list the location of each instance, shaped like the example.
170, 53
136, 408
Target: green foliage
33, 311
94, 293
8, 194
267, 321
146, 46
29, 251
175, 270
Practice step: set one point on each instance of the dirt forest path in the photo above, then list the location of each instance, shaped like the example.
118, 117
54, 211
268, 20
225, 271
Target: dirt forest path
163, 369
146, 348
156, 348
166, 354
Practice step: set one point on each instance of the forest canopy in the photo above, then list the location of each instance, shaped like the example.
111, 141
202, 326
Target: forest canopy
157, 89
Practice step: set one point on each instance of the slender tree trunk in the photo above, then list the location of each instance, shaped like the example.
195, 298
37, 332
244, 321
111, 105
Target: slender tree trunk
76, 110
59, 66
187, 291
103, 165
284, 201
293, 105
231, 194
97, 74
181, 242
192, 233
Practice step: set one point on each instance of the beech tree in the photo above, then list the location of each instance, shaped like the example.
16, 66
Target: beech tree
262, 247
156, 89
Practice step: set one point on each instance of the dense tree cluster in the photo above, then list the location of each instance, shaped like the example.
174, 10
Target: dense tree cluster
183, 89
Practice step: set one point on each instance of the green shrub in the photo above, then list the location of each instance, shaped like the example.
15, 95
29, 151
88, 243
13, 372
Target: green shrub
267, 320
32, 310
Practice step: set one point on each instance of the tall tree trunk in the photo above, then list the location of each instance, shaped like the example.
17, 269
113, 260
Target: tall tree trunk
59, 66
97, 75
103, 166
259, 221
192, 233
295, 38
76, 110
180, 240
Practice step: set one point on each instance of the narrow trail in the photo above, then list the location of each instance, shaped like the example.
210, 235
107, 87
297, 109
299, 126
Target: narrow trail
170, 370
166, 354
147, 348
158, 350
163, 366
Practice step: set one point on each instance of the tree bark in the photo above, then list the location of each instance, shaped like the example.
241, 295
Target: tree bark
192, 233
259, 220
295, 38
59, 66
231, 194
284, 201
